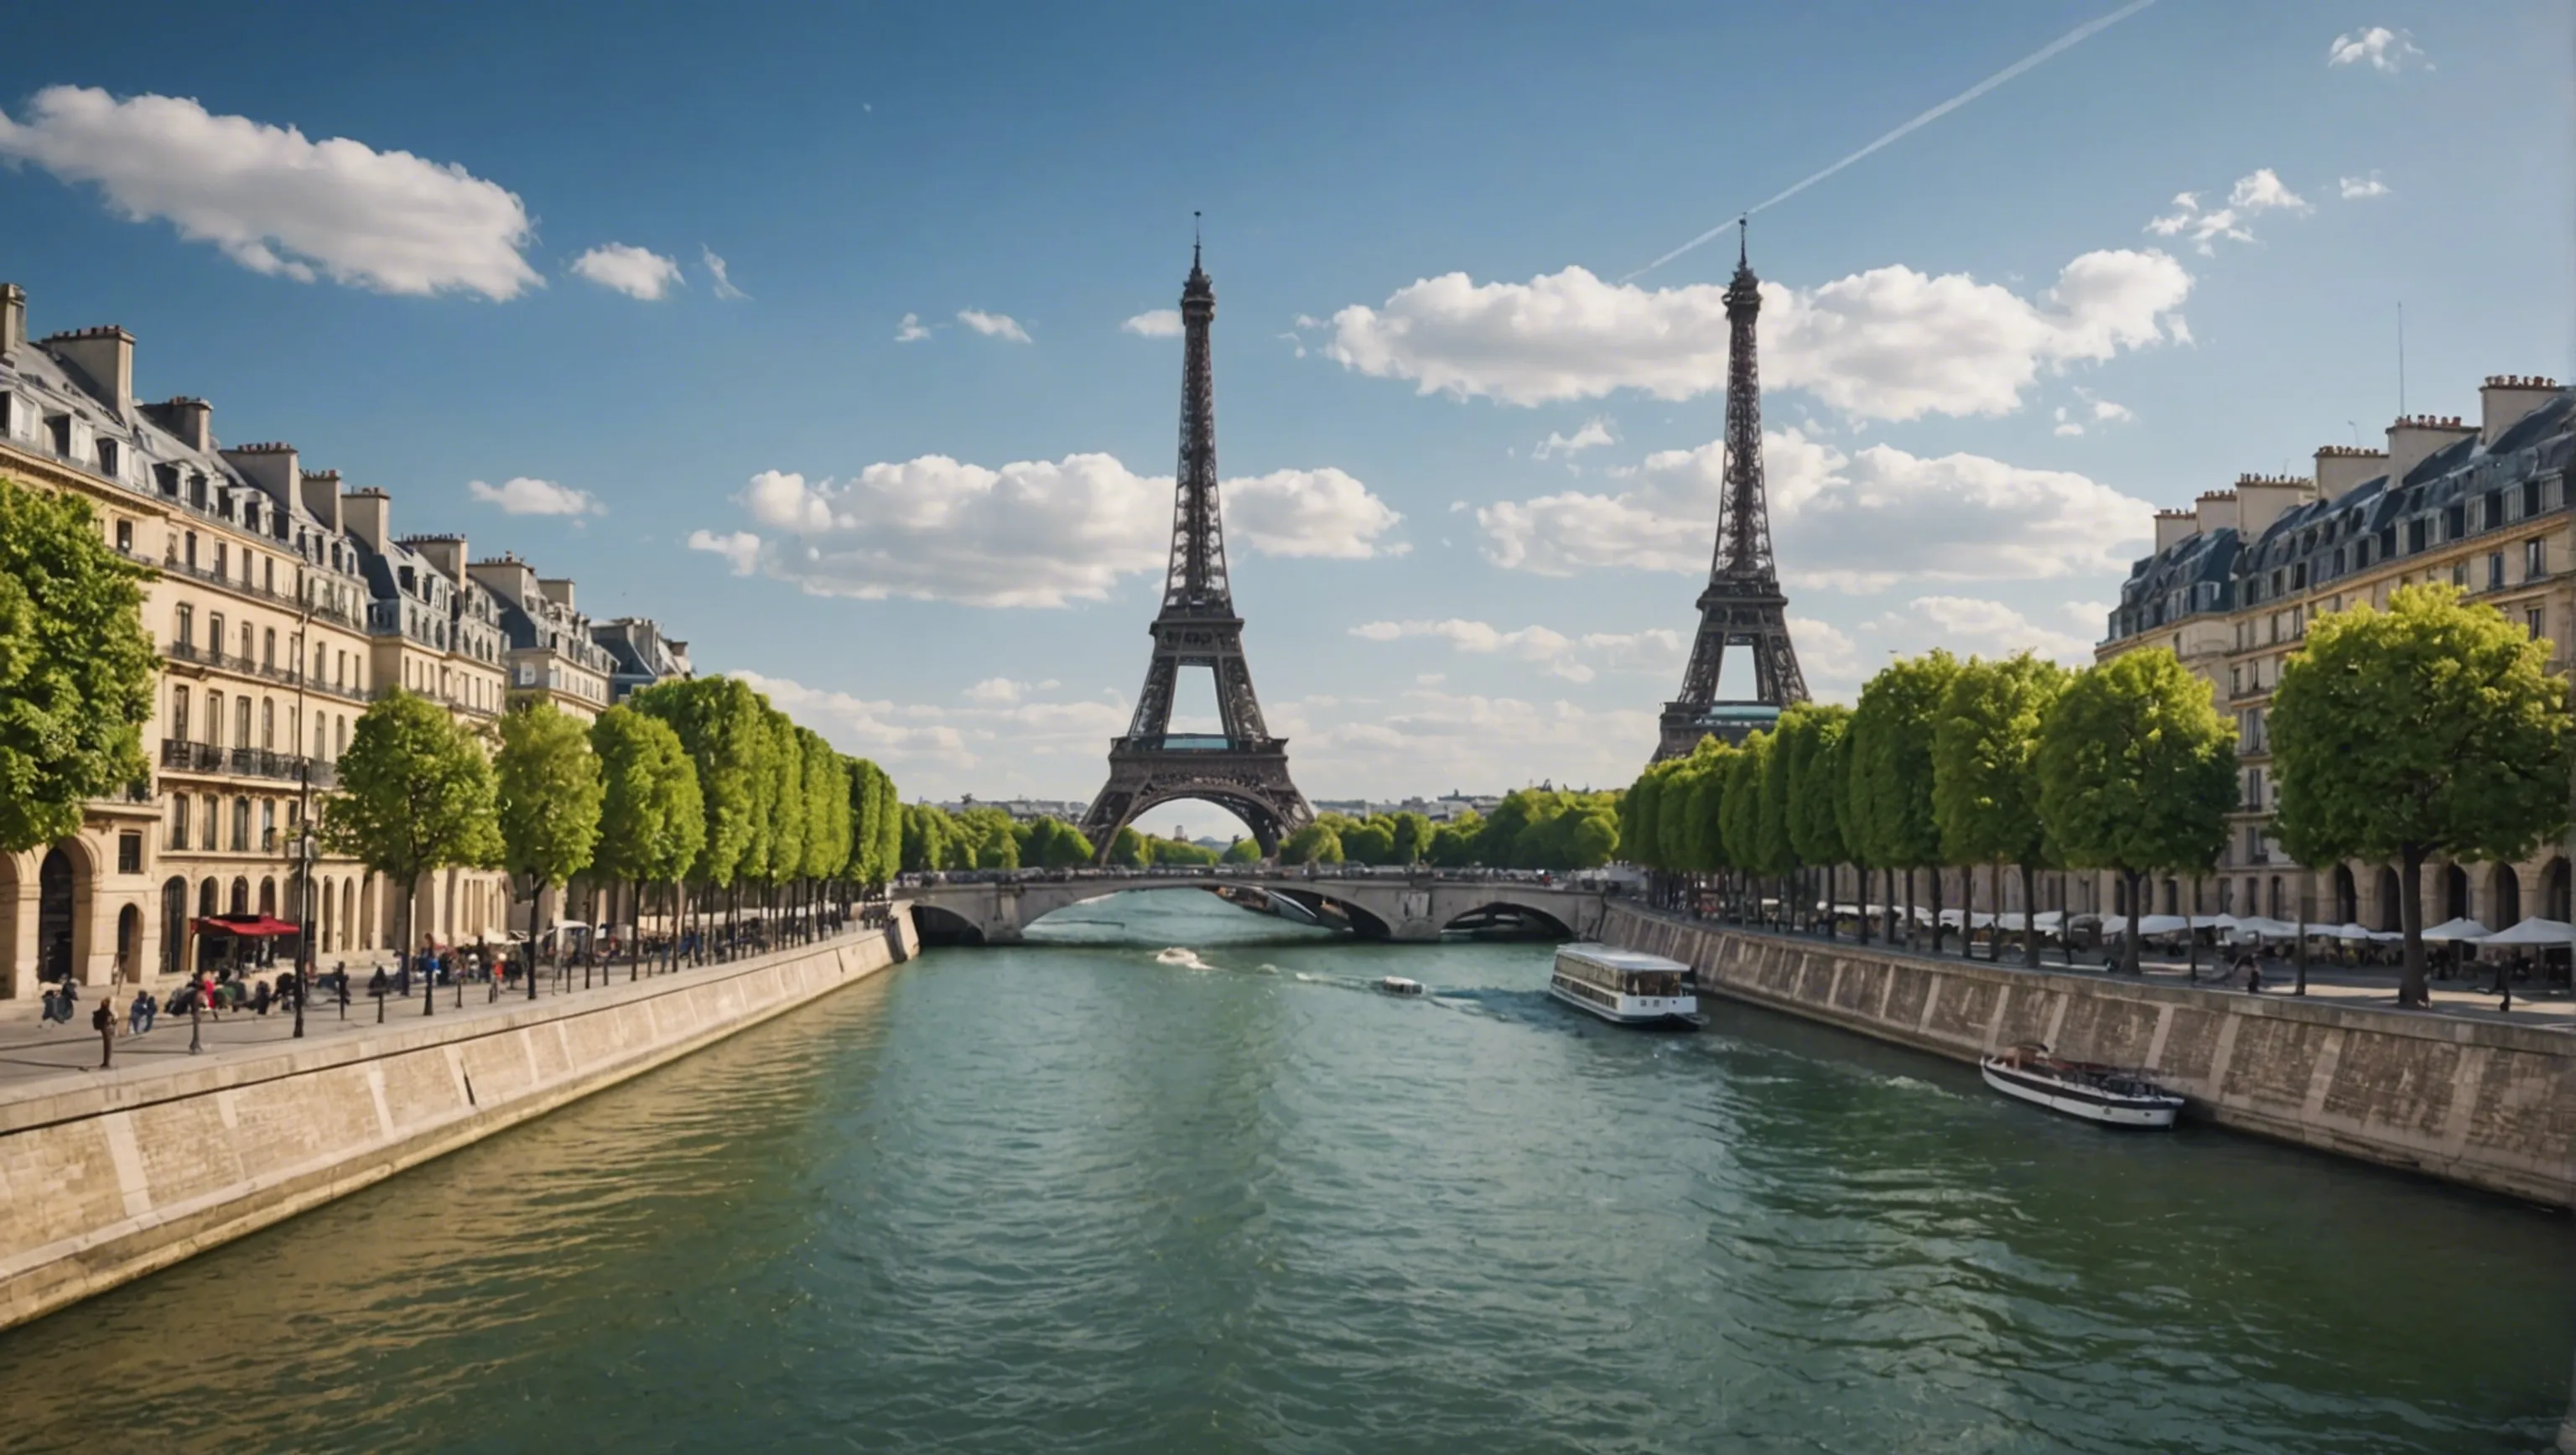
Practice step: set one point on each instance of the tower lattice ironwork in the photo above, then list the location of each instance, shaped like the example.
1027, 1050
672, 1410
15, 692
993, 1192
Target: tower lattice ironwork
1742, 605
1240, 767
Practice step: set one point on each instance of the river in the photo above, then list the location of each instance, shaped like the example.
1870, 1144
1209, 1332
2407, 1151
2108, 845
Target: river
1176, 1178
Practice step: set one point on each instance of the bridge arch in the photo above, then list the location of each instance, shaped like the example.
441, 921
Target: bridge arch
937, 926
1495, 913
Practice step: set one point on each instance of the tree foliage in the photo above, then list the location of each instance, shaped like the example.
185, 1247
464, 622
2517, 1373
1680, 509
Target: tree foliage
651, 821
76, 671
2433, 727
547, 792
1985, 748
416, 794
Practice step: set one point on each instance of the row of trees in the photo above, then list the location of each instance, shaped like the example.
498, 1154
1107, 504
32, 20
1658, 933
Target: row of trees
75, 666
1532, 828
984, 837
700, 789
2431, 728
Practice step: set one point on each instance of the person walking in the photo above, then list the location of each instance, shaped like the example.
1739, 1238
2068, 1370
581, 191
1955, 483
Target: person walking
134, 1016
103, 1021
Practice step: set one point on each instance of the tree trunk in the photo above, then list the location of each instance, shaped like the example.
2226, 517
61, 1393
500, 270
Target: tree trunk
1833, 876
2029, 917
1860, 873
536, 922
410, 912
1940, 894
2304, 882
2191, 936
1913, 928
2411, 991
634, 930
2129, 945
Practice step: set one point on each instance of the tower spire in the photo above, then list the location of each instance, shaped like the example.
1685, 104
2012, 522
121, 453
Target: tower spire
1742, 604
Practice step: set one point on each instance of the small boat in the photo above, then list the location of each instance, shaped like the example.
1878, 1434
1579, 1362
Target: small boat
1398, 985
1624, 987
2082, 1089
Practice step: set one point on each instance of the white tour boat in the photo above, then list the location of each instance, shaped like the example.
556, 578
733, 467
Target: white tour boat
2083, 1089
1398, 985
1624, 987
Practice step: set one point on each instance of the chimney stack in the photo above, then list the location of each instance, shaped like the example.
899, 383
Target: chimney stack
322, 497
104, 358
269, 466
446, 554
13, 318
2175, 525
2342, 467
2505, 398
369, 514
557, 589
2215, 511
192, 420
2414, 438
2263, 499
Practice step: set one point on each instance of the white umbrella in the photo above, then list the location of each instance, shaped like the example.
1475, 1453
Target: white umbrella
2148, 924
2267, 928
2533, 931
2456, 929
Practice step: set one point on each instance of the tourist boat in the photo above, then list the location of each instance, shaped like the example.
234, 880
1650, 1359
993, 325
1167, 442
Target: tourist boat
2083, 1089
1624, 987
1398, 985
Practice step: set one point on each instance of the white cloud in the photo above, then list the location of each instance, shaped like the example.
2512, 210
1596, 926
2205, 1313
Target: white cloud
276, 202
2354, 189
1444, 738
1828, 658
1970, 625
1854, 522
2378, 47
993, 325
1308, 513
2110, 413
2259, 191
741, 549
2066, 427
1155, 323
633, 271
1595, 433
715, 267
1890, 343
1032, 533
996, 691
910, 330
998, 735
1577, 659
521, 495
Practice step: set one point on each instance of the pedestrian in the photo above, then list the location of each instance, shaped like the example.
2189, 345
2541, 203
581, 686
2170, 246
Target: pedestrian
2253, 977
402, 979
376, 984
260, 999
134, 1016
103, 1021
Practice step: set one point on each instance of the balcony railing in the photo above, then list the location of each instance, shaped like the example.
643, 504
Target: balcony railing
283, 676
188, 757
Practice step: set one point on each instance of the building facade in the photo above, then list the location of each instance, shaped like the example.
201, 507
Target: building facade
281, 606
2233, 583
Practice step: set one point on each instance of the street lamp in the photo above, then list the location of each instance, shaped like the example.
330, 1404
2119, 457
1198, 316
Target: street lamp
306, 850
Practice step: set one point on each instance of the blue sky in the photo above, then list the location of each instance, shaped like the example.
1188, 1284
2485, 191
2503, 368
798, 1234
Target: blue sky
1990, 348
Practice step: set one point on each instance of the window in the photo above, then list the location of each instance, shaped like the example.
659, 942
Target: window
2415, 535
2235, 681
184, 626
241, 825
321, 737
2535, 559
2494, 509
2299, 576
317, 661
215, 632
246, 655
268, 576
268, 649
125, 536
129, 853
206, 822
268, 825
2530, 497
2387, 542
214, 719
179, 713
178, 821
2253, 788
220, 559
191, 539
2455, 522
2495, 570
268, 723
197, 498
241, 722
2460, 574
2535, 620
340, 738
107, 457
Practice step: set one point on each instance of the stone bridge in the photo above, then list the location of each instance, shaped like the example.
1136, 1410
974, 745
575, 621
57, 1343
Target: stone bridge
993, 908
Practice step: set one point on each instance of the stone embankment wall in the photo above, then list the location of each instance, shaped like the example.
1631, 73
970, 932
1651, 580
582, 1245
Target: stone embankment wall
107, 1180
2474, 1101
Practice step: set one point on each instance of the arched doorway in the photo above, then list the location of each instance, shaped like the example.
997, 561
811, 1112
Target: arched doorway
209, 898
2277, 902
2390, 913
2347, 896
2173, 897
174, 926
129, 943
2504, 896
348, 910
268, 897
2555, 884
2455, 893
241, 895
54, 919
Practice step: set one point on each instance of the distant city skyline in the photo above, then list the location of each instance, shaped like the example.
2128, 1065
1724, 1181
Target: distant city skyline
861, 325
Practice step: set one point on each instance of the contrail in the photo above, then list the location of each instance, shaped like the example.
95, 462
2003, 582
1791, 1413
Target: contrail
2089, 28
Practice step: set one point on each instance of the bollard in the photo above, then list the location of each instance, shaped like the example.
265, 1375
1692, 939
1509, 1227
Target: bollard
380, 1007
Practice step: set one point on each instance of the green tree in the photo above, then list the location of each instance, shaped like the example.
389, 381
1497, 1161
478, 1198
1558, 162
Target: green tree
548, 793
1242, 851
416, 794
1891, 770
1372, 842
931, 840
1127, 850
1985, 773
1316, 843
1412, 838
1638, 811
76, 671
718, 720
651, 823
1814, 764
2137, 772
1055, 844
2432, 728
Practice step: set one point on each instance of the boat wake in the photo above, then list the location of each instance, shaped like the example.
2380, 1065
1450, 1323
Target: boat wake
1186, 959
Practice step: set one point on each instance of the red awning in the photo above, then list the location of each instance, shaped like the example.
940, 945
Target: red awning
249, 926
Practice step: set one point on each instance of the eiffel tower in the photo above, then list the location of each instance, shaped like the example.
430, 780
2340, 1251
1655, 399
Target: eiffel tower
1742, 605
1240, 768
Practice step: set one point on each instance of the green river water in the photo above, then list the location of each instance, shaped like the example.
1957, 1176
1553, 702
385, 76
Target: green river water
1177, 1179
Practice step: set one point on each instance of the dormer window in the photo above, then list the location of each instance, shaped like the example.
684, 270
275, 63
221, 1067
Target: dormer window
197, 491
107, 457
166, 477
